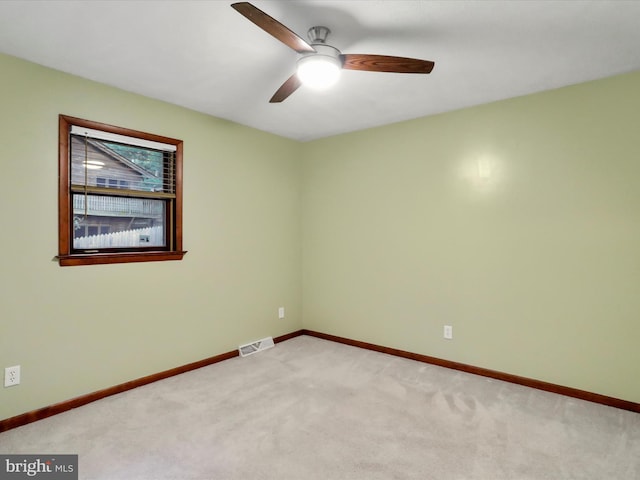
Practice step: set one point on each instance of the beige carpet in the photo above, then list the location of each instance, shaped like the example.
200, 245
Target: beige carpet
313, 409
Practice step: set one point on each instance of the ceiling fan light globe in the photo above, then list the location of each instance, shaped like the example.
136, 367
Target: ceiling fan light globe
318, 71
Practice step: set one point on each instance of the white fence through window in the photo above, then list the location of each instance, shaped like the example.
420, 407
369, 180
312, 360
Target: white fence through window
141, 237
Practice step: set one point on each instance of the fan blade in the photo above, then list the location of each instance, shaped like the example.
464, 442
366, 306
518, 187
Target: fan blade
385, 63
287, 88
273, 27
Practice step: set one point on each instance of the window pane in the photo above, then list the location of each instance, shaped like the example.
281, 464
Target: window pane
112, 165
117, 222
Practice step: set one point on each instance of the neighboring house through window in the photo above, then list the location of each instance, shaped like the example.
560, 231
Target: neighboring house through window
120, 195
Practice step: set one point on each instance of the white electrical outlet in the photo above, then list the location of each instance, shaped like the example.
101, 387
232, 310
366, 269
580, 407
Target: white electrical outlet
281, 312
12, 376
448, 332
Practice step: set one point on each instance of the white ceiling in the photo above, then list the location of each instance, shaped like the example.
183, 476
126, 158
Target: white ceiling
205, 56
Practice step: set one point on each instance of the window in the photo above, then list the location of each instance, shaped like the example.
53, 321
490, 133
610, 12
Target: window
120, 195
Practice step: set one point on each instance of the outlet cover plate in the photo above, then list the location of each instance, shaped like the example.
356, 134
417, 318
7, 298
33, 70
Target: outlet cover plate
12, 376
448, 332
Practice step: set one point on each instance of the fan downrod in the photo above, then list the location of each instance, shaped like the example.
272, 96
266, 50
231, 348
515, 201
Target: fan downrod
318, 34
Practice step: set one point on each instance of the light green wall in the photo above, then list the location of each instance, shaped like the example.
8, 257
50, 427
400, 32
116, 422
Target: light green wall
385, 235
75, 330
536, 265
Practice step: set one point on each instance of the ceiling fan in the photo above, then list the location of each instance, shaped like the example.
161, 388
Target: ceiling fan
321, 63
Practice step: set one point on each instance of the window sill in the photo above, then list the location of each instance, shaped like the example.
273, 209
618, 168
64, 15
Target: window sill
125, 257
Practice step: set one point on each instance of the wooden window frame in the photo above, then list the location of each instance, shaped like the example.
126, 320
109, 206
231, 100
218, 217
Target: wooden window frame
66, 256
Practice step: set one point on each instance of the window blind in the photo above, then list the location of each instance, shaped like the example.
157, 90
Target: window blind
114, 137
107, 166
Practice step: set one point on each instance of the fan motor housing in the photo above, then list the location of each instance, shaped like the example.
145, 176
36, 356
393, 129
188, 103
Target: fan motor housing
324, 50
